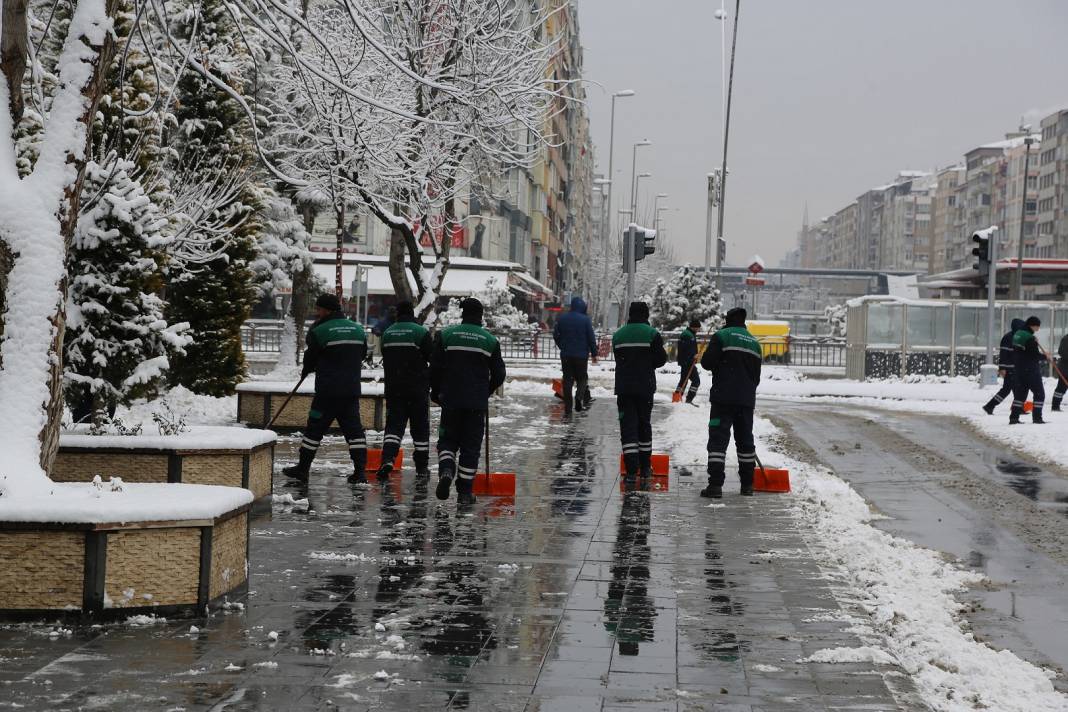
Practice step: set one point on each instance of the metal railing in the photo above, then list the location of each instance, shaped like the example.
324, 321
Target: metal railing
264, 336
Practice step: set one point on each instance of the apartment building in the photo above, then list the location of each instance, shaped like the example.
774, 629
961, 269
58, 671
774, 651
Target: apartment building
1051, 238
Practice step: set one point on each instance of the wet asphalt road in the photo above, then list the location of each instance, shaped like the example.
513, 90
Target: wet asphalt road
571, 596
946, 488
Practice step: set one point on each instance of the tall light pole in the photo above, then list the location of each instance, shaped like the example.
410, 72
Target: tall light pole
1028, 140
656, 203
726, 135
606, 227
656, 219
637, 188
634, 175
604, 185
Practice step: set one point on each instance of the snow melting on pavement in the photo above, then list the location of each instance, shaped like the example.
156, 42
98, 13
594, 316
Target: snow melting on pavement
909, 592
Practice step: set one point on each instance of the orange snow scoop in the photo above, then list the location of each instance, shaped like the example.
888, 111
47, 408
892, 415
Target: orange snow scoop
660, 462
374, 459
558, 388
493, 484
771, 479
1028, 406
676, 396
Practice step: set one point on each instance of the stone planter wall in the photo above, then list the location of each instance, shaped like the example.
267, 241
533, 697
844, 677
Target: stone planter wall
252, 469
116, 570
256, 408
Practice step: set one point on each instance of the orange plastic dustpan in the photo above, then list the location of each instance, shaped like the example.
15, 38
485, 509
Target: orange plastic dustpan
558, 388
493, 484
374, 459
660, 462
676, 397
771, 479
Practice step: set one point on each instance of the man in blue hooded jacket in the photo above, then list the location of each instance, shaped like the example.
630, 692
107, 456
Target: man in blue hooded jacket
574, 337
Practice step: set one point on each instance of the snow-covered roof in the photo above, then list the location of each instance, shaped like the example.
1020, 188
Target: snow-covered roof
460, 280
1014, 142
86, 503
198, 437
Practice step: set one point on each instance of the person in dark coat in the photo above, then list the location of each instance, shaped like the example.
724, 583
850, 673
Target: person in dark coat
639, 351
573, 334
1006, 366
686, 357
734, 359
1062, 377
336, 348
465, 368
1028, 360
406, 351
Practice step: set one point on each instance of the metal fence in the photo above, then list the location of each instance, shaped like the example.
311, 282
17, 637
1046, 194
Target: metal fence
264, 336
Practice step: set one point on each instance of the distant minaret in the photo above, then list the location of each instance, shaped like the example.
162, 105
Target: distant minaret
804, 218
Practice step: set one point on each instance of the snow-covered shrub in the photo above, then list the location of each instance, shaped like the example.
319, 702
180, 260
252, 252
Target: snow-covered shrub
168, 422
835, 316
689, 294
499, 312
117, 340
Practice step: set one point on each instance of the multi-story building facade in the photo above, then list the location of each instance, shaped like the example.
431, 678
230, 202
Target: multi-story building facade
1052, 217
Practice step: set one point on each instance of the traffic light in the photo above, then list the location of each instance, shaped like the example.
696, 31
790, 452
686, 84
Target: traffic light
982, 251
644, 243
722, 246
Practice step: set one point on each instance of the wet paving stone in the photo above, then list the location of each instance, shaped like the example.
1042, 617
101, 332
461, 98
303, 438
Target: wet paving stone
571, 596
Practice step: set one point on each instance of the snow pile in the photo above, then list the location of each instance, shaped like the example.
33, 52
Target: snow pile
85, 503
194, 408
863, 654
197, 438
908, 592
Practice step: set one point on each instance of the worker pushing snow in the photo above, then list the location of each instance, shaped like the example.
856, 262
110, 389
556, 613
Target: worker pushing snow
466, 367
406, 351
336, 348
686, 357
1006, 366
639, 351
734, 358
1028, 359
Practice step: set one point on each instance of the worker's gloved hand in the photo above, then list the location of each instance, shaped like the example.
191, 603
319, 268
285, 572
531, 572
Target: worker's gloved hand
434, 396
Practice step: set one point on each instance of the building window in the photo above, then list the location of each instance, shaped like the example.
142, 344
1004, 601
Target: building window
1032, 182
985, 199
1030, 207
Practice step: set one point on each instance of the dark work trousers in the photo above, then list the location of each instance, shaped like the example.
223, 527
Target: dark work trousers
460, 443
635, 431
1062, 384
1006, 389
346, 411
695, 381
1028, 381
722, 418
575, 381
400, 413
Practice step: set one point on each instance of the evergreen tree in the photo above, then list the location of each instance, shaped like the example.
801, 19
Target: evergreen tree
689, 294
499, 312
216, 294
117, 342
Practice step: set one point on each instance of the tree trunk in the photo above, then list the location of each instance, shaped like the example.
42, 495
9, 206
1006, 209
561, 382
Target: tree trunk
398, 266
14, 49
298, 308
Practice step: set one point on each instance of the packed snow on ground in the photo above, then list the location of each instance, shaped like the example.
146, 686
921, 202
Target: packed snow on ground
910, 593
197, 437
117, 502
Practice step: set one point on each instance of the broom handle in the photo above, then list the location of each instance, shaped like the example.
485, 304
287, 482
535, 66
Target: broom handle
693, 364
761, 464
1054, 363
286, 402
487, 442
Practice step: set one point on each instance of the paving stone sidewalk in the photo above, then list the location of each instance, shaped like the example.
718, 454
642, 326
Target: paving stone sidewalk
572, 596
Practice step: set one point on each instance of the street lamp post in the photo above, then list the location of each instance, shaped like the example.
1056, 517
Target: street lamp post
637, 188
634, 175
1028, 140
606, 227
656, 203
726, 134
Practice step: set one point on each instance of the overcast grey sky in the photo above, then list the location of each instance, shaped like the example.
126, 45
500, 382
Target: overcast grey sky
831, 97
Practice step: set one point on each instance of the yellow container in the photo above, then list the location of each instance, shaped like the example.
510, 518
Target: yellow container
774, 338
